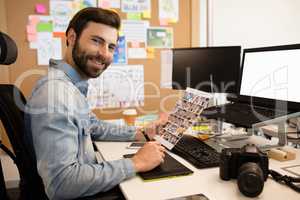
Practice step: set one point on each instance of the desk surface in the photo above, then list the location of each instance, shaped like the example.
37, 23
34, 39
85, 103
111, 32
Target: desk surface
205, 181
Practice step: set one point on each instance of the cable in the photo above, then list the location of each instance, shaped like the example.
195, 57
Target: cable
288, 180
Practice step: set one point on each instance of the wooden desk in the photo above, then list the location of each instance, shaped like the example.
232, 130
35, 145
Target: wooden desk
204, 181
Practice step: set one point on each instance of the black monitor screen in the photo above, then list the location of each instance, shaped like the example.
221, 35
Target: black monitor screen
198, 68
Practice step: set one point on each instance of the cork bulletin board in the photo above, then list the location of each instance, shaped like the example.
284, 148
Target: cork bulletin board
17, 13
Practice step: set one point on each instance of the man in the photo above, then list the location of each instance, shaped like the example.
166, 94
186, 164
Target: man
62, 126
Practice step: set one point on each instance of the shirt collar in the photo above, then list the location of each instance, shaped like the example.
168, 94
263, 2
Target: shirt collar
76, 79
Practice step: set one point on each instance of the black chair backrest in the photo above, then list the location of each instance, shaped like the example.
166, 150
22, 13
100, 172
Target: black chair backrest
12, 103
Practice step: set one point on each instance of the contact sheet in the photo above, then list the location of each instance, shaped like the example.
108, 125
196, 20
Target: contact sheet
185, 113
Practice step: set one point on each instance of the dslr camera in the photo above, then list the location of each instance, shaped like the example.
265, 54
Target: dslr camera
249, 165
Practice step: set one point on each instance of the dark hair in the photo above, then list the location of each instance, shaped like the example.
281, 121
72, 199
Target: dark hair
98, 15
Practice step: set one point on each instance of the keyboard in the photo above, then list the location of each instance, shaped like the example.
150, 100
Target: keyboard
196, 152
241, 114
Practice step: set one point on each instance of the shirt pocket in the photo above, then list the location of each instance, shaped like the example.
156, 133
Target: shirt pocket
87, 146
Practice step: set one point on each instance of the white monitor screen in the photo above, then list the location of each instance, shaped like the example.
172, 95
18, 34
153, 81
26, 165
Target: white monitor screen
272, 74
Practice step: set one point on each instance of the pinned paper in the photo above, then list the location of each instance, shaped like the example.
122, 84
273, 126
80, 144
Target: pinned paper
33, 45
62, 11
138, 6
160, 37
134, 16
137, 53
166, 59
115, 3
169, 10
120, 54
40, 8
48, 47
103, 92
135, 30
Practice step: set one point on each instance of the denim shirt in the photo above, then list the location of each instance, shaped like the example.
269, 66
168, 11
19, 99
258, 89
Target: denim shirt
62, 128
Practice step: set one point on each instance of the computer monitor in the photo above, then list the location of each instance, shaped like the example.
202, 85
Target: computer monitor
210, 69
271, 74
278, 76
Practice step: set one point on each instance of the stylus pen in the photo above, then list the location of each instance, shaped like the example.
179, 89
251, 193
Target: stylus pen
145, 135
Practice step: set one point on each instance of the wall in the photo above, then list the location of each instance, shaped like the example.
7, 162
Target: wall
253, 23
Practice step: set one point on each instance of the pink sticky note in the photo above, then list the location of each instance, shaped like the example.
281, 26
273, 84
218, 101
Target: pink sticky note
31, 37
163, 22
135, 44
40, 8
33, 19
104, 4
30, 29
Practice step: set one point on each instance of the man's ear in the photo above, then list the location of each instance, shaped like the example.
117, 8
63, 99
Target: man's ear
71, 37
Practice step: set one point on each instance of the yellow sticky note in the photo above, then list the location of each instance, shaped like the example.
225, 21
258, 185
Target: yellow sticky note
172, 20
147, 14
134, 16
121, 33
150, 52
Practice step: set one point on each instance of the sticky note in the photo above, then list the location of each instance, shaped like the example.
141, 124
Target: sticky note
30, 29
163, 22
31, 37
44, 27
150, 52
121, 33
173, 20
147, 14
134, 16
59, 34
104, 4
33, 19
135, 44
40, 8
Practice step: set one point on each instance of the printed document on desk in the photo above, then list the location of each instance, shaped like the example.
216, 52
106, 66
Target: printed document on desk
186, 112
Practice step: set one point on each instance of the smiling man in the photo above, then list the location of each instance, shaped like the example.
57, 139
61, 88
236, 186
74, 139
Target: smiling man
60, 125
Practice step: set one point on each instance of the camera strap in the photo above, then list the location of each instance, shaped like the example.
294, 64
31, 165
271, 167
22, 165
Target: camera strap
288, 180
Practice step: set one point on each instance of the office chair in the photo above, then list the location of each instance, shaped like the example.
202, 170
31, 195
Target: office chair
12, 104
12, 117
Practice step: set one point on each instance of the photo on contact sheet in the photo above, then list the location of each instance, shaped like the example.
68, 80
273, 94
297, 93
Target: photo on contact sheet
186, 111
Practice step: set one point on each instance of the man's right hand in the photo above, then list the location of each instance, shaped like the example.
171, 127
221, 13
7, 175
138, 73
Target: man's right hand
148, 157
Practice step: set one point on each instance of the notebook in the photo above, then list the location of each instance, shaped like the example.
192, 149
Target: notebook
268, 87
170, 167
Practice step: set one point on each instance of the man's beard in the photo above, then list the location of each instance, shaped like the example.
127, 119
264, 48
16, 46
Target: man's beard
81, 59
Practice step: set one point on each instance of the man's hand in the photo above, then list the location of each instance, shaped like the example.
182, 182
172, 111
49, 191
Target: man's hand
148, 157
152, 129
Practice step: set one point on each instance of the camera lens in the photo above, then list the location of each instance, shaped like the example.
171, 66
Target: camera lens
250, 179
